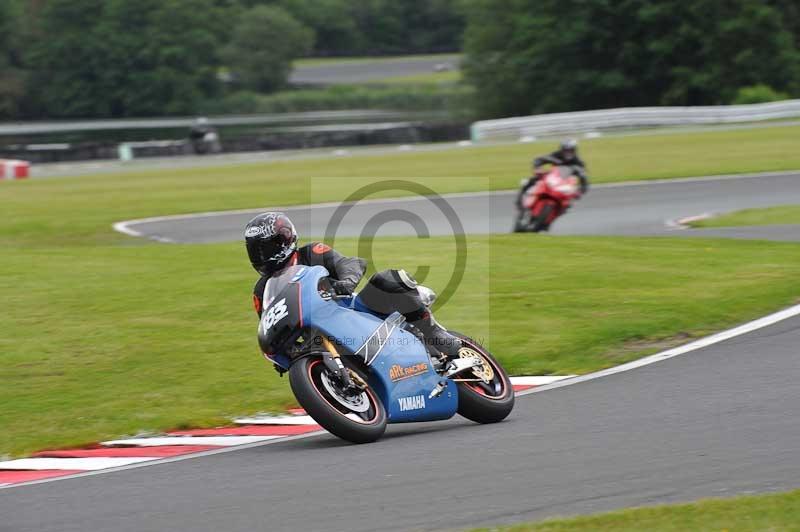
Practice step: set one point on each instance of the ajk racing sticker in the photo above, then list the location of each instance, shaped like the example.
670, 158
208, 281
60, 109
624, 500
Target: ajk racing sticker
398, 372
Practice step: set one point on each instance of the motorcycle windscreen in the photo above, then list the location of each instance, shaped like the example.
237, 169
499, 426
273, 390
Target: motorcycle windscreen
281, 316
570, 180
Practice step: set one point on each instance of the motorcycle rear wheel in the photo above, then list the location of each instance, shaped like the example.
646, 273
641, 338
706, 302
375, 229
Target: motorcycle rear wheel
480, 401
357, 418
521, 221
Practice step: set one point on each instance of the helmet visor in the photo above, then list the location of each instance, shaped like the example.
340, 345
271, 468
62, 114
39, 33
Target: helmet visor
267, 255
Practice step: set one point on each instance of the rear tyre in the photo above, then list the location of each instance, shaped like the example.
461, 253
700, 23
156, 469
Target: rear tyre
540, 223
355, 417
521, 221
484, 401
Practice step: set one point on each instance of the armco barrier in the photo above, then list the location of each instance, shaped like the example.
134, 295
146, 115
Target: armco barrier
632, 117
275, 119
13, 169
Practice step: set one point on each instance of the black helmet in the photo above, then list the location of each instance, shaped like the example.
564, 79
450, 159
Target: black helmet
270, 239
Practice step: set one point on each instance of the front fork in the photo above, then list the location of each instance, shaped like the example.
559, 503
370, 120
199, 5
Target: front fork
333, 361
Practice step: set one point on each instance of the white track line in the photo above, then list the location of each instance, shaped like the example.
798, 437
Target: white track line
539, 380
78, 464
275, 420
226, 441
125, 226
760, 323
683, 223
665, 355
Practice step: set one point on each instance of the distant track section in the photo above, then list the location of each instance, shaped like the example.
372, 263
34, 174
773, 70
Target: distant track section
371, 69
643, 208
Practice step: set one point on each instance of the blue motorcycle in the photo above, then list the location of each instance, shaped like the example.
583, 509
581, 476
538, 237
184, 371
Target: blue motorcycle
354, 371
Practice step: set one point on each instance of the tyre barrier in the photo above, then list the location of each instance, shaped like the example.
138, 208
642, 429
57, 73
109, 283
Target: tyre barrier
14, 169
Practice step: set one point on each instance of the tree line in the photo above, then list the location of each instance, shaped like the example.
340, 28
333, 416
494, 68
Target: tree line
541, 56
119, 58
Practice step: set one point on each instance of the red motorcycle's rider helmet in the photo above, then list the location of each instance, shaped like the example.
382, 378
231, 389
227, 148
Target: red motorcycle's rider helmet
569, 149
271, 239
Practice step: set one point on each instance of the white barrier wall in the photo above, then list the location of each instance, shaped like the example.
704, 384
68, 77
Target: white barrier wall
632, 117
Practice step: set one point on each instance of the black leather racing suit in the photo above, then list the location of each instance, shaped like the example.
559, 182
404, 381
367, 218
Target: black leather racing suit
346, 270
385, 292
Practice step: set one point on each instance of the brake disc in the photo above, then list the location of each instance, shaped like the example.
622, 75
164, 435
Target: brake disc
356, 403
482, 369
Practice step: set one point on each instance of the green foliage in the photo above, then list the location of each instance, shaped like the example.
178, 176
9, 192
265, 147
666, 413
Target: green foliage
115, 58
333, 22
537, 56
87, 61
377, 27
758, 94
451, 98
12, 77
415, 25
265, 41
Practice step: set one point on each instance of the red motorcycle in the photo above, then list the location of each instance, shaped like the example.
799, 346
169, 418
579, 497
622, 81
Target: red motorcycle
548, 199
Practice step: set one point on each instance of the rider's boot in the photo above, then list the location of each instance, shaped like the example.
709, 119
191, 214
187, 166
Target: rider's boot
436, 336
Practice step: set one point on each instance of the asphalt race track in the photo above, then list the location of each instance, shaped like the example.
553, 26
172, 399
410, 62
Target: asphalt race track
371, 70
620, 209
718, 421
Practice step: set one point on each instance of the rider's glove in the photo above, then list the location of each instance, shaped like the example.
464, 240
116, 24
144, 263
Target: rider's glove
344, 287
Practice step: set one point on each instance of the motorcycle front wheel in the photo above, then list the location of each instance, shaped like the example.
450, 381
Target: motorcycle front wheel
357, 416
485, 394
540, 222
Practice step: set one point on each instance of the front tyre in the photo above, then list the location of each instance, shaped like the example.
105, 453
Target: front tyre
357, 417
541, 223
486, 394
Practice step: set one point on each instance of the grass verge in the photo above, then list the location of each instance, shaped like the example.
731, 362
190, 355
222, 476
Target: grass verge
105, 335
81, 209
333, 61
428, 78
781, 215
738, 514
109, 340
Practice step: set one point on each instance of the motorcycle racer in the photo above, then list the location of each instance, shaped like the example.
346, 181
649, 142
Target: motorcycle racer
566, 154
271, 242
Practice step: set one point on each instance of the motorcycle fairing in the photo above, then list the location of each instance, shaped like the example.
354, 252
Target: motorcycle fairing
377, 341
404, 378
402, 374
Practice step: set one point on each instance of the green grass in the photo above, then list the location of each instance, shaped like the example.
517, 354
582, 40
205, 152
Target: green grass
328, 61
781, 215
108, 340
105, 335
774, 512
81, 209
